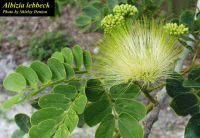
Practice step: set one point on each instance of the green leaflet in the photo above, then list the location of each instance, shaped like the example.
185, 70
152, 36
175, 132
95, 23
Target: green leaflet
44, 129
106, 128
94, 115
125, 91
23, 122
68, 56
58, 56
54, 100
174, 85
184, 108
87, 60
78, 56
94, 90
131, 107
91, 12
69, 71
82, 21
79, 103
193, 127
14, 82
29, 74
129, 127
42, 70
68, 90
47, 113
57, 69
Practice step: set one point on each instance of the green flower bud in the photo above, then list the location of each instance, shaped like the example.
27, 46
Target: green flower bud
176, 30
111, 21
125, 10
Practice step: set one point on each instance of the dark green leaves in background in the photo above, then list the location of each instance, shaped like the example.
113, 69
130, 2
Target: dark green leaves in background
185, 95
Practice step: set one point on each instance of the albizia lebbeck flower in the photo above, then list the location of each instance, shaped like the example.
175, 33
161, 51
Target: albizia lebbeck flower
141, 51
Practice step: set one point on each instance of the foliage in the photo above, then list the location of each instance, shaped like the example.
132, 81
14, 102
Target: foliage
58, 111
41, 47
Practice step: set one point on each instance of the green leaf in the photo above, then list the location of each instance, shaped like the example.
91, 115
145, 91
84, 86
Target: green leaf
174, 85
68, 56
14, 82
57, 68
132, 107
29, 74
129, 127
125, 91
42, 70
95, 112
58, 56
62, 132
187, 18
69, 71
94, 90
23, 121
71, 120
46, 113
68, 90
112, 4
45, 129
82, 21
54, 100
185, 104
76, 84
91, 12
12, 101
79, 103
192, 129
191, 84
78, 56
87, 60
194, 74
106, 128
18, 134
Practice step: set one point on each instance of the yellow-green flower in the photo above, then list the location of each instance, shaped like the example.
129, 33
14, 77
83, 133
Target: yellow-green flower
141, 52
176, 30
125, 10
111, 21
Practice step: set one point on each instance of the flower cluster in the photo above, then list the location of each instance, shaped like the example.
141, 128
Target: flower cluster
125, 10
118, 18
111, 21
176, 30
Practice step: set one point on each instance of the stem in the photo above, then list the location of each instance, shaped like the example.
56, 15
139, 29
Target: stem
156, 87
195, 55
151, 98
43, 87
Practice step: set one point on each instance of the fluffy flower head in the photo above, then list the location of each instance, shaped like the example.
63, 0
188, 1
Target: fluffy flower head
141, 52
176, 30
